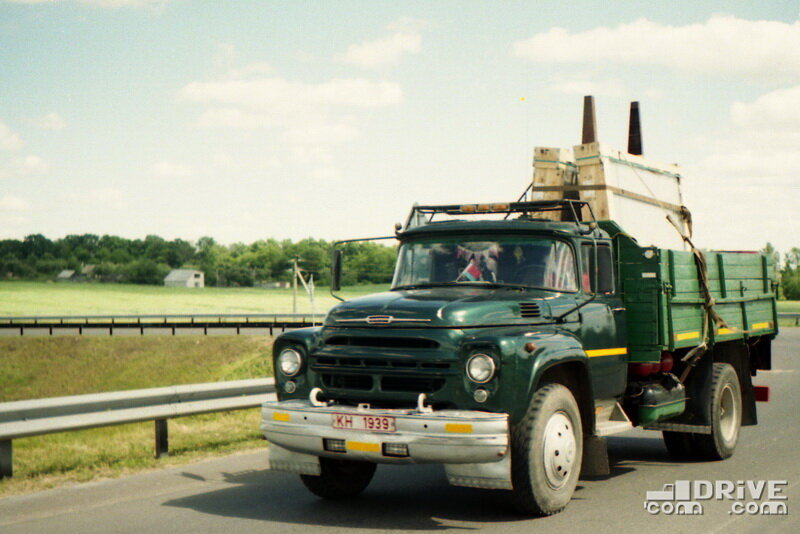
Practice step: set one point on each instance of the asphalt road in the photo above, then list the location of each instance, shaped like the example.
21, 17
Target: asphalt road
237, 493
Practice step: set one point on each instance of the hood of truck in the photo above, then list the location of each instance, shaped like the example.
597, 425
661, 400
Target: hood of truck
448, 307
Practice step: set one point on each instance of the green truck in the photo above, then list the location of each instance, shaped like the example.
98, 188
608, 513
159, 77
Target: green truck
508, 349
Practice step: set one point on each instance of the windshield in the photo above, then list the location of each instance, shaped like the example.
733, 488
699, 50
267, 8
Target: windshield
520, 261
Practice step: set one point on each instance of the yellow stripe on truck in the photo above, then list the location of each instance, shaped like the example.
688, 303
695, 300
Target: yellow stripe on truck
362, 446
687, 335
607, 352
760, 326
278, 416
458, 428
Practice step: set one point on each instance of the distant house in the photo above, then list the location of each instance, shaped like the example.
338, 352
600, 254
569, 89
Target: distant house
67, 275
185, 278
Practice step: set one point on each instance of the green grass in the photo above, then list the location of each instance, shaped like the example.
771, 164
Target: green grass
47, 298
789, 306
57, 366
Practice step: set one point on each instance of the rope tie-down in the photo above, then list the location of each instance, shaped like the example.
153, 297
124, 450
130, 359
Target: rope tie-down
709, 310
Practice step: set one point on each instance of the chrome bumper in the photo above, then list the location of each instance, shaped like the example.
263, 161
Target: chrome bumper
459, 438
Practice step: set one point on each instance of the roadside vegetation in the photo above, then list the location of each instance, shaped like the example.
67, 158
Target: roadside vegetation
44, 298
71, 365
147, 261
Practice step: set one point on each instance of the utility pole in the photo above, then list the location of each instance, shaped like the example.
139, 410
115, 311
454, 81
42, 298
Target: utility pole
294, 285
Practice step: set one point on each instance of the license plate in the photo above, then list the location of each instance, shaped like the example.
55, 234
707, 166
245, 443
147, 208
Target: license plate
371, 423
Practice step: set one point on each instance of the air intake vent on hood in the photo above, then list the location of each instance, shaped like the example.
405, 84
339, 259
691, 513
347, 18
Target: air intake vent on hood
529, 309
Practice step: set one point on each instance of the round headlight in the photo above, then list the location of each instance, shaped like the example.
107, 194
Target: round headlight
289, 362
480, 368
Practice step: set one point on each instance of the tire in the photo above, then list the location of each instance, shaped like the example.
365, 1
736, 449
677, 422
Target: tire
546, 452
724, 405
339, 479
680, 445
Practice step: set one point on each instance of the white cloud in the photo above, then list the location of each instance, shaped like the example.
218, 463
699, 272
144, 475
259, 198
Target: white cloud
320, 134
405, 39
279, 95
724, 44
12, 203
51, 121
749, 176
777, 110
168, 169
9, 140
97, 3
99, 196
30, 164
760, 146
583, 86
259, 68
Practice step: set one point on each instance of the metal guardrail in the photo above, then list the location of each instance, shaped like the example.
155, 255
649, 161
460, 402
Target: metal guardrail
146, 324
790, 316
20, 419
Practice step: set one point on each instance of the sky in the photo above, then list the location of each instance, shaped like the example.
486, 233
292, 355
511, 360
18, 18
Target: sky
255, 119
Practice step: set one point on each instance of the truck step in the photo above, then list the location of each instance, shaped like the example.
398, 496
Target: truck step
617, 423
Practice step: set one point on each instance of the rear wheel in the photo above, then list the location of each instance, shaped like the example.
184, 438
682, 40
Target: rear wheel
339, 479
724, 405
546, 452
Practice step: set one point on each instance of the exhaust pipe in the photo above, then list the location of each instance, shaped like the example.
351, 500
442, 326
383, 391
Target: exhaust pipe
634, 131
589, 121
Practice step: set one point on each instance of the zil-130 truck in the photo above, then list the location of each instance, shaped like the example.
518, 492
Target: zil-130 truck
508, 348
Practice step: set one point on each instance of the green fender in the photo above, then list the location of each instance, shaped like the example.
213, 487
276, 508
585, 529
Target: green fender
553, 349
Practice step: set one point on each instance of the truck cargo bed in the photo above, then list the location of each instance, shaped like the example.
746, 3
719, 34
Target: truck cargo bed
664, 301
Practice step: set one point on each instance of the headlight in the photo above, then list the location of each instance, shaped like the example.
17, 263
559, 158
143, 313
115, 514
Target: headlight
289, 362
480, 368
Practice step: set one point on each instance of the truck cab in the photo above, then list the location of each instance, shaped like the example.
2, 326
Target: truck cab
502, 351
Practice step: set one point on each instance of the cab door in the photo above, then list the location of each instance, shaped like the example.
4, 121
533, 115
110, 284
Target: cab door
603, 321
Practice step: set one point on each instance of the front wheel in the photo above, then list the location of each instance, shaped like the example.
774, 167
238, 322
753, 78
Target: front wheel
339, 479
546, 452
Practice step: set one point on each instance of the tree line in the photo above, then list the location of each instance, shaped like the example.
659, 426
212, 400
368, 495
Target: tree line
788, 266
149, 260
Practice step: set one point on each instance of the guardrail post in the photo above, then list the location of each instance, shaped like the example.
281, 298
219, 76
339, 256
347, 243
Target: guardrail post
162, 438
6, 459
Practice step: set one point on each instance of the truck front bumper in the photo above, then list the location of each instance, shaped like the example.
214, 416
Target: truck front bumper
460, 439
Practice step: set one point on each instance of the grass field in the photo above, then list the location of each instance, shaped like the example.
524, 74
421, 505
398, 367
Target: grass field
789, 306
50, 367
46, 298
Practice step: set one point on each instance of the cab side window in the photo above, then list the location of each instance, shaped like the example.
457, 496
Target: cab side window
604, 283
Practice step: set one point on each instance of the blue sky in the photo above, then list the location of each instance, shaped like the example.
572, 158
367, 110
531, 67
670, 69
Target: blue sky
245, 120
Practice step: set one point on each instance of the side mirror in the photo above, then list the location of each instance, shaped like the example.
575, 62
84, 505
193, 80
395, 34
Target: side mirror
336, 270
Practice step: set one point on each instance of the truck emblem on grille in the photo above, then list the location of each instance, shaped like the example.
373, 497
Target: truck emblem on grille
380, 319
383, 320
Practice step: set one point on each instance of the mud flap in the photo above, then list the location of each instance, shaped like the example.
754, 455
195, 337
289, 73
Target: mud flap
595, 457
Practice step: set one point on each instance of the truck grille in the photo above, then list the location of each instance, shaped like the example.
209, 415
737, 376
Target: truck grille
412, 384
336, 381
347, 362
383, 342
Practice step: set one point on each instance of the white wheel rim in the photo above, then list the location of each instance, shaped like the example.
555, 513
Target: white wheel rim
559, 450
728, 415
